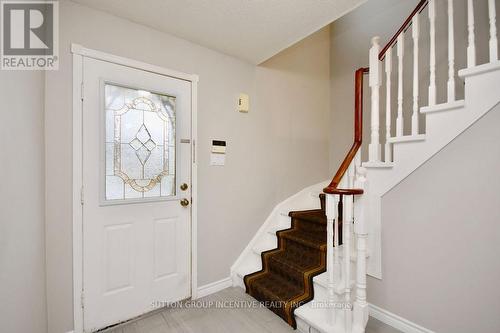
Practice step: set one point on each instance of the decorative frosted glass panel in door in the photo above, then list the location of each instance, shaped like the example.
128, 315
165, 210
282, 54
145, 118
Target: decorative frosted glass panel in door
140, 144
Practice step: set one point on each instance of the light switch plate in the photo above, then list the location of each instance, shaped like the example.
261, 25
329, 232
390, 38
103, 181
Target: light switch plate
243, 103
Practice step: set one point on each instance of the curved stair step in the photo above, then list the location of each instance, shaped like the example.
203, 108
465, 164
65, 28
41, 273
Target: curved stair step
287, 267
274, 288
309, 239
315, 216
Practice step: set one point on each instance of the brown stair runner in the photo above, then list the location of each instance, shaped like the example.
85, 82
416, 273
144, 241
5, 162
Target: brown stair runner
286, 279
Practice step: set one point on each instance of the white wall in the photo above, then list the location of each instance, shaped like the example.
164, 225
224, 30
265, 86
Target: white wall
264, 146
440, 238
22, 237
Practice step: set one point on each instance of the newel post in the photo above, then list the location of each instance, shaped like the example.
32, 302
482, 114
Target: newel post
374, 149
331, 219
360, 308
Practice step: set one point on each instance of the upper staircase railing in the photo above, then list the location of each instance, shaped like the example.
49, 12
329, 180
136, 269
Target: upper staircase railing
420, 7
347, 315
380, 58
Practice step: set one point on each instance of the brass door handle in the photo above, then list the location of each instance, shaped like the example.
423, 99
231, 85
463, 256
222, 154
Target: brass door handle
184, 186
184, 202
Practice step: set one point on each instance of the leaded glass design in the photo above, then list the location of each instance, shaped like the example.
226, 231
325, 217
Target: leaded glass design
140, 144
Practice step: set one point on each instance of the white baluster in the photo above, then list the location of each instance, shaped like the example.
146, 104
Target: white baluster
432, 62
451, 54
347, 225
343, 182
374, 152
388, 70
359, 180
399, 119
337, 267
352, 183
336, 259
351, 174
471, 48
357, 163
415, 35
360, 307
331, 216
493, 31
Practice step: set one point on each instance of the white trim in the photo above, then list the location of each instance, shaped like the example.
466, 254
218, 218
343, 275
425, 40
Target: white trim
480, 69
79, 52
214, 287
309, 317
455, 105
406, 138
78, 49
400, 323
380, 165
77, 186
194, 188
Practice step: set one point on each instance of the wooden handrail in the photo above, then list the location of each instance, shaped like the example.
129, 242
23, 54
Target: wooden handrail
358, 139
421, 5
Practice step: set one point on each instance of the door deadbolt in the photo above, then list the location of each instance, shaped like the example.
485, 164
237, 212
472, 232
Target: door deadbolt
184, 202
184, 186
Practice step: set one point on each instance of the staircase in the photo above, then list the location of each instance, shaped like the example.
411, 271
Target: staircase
335, 300
285, 281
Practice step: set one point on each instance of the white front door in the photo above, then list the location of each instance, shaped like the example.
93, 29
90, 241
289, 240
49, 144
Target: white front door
136, 174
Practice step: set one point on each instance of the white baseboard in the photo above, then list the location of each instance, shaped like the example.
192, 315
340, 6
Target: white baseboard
214, 287
396, 321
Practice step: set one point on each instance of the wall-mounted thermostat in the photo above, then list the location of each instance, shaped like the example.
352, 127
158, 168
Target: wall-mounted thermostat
218, 156
218, 147
244, 103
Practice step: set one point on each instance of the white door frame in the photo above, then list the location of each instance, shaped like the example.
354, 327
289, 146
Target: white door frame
79, 52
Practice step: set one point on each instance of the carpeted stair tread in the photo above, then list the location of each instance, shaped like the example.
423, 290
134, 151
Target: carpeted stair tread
291, 267
310, 239
315, 216
292, 261
274, 288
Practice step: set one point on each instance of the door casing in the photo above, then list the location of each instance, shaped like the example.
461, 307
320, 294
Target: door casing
79, 52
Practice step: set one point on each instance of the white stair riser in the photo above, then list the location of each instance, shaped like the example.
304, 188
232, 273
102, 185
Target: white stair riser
252, 264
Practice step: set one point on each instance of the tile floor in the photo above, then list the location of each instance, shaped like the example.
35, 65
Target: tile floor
217, 320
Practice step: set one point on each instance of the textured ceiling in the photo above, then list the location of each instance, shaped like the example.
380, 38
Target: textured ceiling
252, 30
